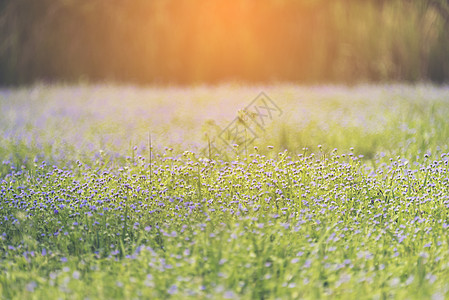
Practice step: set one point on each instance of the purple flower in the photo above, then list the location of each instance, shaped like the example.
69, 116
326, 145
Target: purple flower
173, 289
308, 263
31, 286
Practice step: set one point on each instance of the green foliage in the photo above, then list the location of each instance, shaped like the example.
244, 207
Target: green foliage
192, 41
309, 227
122, 222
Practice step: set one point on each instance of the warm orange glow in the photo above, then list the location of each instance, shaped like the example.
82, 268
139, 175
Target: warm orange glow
194, 41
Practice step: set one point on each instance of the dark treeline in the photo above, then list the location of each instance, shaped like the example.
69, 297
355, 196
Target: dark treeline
194, 41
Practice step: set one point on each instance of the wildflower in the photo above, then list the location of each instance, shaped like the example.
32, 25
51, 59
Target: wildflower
229, 295
173, 289
31, 286
76, 275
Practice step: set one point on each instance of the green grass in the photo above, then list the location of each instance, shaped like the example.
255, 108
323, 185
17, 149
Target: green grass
281, 222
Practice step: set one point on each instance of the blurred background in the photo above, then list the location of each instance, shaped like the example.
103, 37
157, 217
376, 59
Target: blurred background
209, 41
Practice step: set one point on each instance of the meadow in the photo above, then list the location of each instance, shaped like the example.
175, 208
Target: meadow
104, 193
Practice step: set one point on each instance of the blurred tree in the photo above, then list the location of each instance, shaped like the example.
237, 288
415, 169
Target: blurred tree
191, 41
442, 6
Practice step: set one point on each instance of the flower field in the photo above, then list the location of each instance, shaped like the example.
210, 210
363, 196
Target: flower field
104, 194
